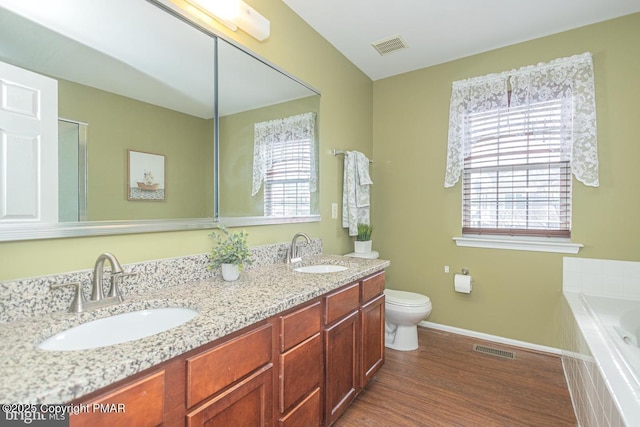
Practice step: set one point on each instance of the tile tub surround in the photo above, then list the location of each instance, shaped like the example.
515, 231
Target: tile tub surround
30, 375
21, 299
601, 277
585, 361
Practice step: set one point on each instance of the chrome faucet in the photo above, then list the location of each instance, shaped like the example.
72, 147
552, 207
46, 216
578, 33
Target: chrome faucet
98, 299
293, 250
97, 292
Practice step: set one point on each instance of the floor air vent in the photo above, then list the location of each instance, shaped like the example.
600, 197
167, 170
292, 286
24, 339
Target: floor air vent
494, 351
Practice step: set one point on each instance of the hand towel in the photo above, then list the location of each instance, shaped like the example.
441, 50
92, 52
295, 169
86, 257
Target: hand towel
363, 180
355, 191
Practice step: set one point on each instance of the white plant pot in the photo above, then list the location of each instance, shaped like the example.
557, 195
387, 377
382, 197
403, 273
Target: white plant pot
230, 272
362, 247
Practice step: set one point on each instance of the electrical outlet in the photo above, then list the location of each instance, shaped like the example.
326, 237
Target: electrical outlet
446, 268
334, 211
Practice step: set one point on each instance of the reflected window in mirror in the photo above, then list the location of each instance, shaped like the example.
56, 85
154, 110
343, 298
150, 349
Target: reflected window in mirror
284, 160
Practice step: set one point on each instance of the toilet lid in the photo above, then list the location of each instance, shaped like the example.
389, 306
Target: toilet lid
406, 299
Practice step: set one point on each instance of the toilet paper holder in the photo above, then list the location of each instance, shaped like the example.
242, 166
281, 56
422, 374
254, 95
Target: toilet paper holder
465, 271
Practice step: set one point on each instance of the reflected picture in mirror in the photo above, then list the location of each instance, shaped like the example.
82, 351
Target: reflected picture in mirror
145, 176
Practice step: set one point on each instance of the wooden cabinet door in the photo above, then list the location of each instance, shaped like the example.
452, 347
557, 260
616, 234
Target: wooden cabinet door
341, 366
372, 335
249, 403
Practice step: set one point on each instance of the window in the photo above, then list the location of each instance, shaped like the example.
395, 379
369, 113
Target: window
516, 180
286, 186
517, 138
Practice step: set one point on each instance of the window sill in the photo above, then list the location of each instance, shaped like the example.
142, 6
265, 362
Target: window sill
520, 244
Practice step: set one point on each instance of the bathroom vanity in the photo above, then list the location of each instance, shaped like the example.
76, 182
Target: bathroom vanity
277, 347
274, 372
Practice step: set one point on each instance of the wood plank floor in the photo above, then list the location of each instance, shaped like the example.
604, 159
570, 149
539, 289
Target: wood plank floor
446, 383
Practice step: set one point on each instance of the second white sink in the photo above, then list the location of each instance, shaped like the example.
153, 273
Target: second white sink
321, 268
118, 329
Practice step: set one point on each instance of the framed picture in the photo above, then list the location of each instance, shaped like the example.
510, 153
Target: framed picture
145, 176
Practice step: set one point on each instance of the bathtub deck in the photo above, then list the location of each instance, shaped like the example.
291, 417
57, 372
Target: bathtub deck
445, 383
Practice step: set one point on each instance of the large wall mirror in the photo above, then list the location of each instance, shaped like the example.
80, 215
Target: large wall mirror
188, 105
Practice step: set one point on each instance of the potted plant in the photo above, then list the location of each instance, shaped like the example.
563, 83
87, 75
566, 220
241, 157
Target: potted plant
362, 244
231, 253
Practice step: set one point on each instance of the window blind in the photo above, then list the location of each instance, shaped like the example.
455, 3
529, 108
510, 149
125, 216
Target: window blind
516, 179
286, 191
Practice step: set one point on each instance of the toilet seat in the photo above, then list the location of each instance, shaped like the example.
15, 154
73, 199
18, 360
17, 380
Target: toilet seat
405, 299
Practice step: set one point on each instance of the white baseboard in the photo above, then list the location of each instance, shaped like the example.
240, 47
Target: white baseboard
488, 337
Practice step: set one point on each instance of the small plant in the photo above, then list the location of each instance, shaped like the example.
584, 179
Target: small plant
364, 232
231, 248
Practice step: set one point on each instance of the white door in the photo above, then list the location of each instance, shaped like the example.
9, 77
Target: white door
28, 146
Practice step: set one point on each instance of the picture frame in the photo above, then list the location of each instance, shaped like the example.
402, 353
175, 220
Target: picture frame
145, 176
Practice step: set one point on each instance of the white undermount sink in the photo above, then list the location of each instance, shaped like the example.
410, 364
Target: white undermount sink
321, 268
118, 329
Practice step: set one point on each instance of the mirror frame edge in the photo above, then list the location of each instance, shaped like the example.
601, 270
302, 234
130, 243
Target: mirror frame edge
21, 232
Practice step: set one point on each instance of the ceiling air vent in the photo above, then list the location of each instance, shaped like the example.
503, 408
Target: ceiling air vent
390, 44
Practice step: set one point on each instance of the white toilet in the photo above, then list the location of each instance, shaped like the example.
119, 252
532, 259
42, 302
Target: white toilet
403, 311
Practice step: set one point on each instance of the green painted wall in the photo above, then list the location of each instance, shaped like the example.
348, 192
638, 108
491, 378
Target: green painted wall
117, 123
516, 294
346, 122
236, 156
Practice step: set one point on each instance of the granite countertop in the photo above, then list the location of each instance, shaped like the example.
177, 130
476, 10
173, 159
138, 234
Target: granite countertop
31, 375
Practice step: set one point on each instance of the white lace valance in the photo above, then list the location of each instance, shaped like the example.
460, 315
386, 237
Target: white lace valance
292, 128
569, 79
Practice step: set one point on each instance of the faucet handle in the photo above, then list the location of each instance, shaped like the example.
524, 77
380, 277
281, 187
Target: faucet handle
77, 304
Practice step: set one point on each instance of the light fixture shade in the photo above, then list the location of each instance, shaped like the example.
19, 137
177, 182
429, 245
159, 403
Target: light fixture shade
222, 11
234, 14
252, 22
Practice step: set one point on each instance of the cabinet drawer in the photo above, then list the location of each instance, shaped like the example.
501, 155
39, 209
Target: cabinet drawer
372, 287
298, 326
248, 403
301, 371
138, 404
215, 369
307, 413
342, 302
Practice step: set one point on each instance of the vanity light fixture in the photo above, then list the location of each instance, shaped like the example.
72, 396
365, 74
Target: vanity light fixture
234, 14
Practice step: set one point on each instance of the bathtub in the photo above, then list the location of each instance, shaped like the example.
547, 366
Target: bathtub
602, 359
621, 320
